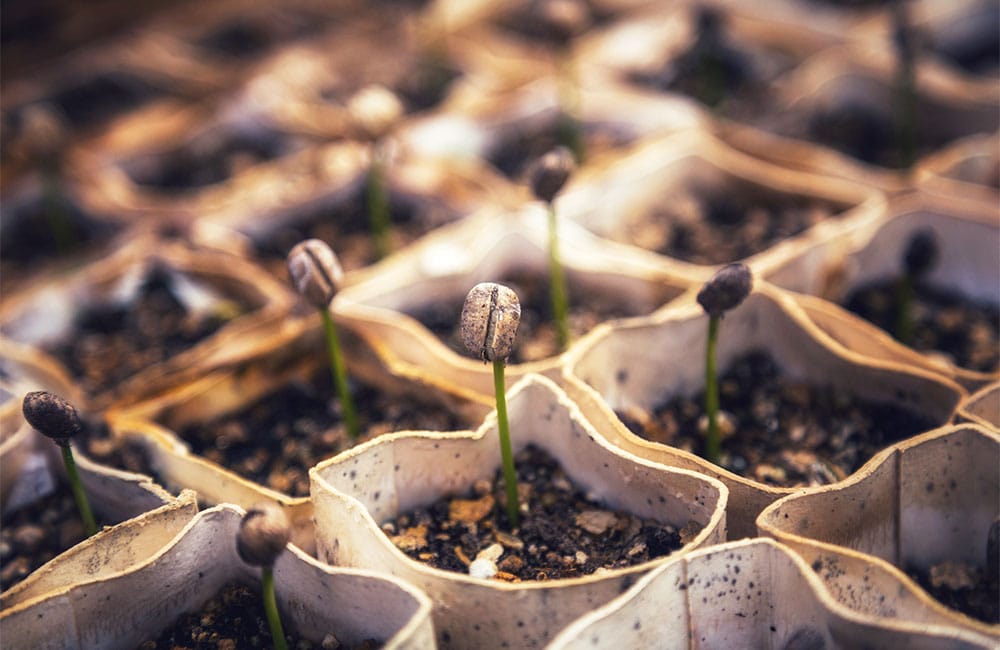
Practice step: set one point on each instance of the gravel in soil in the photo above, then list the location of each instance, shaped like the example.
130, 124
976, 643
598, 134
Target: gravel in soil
724, 224
963, 587
783, 432
536, 333
968, 333
33, 535
275, 440
112, 342
234, 619
563, 533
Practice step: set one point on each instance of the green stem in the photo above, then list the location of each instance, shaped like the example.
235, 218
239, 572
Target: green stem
569, 132
340, 374
55, 213
271, 608
378, 204
904, 309
506, 453
557, 282
78, 494
713, 444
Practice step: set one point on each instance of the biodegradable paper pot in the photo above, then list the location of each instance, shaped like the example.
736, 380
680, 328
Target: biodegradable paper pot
43, 314
920, 502
746, 594
982, 407
358, 490
643, 363
861, 77
448, 263
125, 608
968, 168
615, 200
968, 237
112, 550
295, 353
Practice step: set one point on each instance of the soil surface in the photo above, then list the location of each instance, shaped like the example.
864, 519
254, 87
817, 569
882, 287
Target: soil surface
562, 534
786, 433
346, 228
275, 440
33, 535
719, 225
962, 587
943, 321
536, 333
113, 342
234, 619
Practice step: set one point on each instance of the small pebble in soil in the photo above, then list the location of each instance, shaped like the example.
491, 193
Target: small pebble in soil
562, 533
786, 433
234, 619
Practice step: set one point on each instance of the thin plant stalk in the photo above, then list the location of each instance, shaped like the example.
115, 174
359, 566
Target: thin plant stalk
557, 281
713, 444
82, 504
570, 133
378, 204
55, 212
506, 452
904, 309
340, 374
271, 608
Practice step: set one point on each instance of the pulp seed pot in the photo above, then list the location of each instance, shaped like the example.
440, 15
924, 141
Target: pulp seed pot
649, 372
956, 310
136, 604
922, 511
752, 593
357, 492
407, 309
147, 317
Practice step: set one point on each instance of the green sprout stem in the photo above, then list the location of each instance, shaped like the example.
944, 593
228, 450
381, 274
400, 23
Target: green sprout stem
506, 453
55, 213
713, 444
569, 132
340, 374
557, 281
378, 204
904, 309
78, 494
271, 608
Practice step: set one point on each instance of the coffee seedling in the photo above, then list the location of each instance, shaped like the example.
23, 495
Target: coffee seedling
919, 259
726, 290
54, 417
264, 532
317, 275
548, 175
562, 21
44, 137
489, 321
374, 111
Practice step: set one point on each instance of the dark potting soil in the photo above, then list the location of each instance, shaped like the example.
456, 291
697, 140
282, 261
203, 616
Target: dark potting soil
33, 535
728, 76
212, 157
786, 432
533, 23
563, 533
536, 333
721, 225
95, 100
42, 229
943, 321
233, 619
346, 228
968, 589
112, 342
275, 440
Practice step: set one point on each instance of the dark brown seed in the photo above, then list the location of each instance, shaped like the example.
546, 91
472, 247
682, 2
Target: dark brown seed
264, 532
727, 289
315, 271
921, 253
51, 416
550, 172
